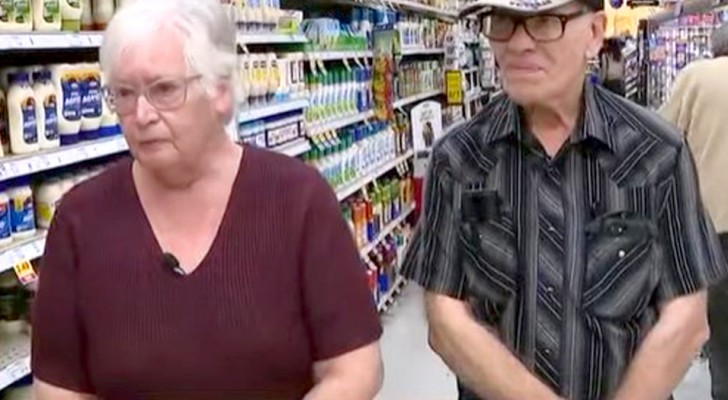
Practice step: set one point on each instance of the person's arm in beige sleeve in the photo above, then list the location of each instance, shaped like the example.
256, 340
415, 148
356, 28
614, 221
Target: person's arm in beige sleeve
675, 109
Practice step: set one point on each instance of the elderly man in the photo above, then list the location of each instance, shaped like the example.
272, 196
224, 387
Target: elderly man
563, 245
698, 107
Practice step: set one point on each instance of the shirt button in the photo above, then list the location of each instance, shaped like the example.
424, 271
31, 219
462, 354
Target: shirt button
547, 352
549, 289
621, 254
552, 229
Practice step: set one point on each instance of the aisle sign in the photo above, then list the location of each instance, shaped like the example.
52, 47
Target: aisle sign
454, 87
25, 272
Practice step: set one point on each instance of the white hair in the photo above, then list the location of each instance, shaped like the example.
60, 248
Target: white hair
210, 44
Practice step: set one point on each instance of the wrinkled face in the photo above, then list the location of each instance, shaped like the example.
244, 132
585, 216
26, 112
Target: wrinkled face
167, 117
538, 63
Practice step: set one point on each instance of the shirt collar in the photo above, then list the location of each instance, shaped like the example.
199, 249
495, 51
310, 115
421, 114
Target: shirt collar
591, 124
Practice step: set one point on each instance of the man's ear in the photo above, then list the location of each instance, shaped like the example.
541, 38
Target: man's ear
598, 30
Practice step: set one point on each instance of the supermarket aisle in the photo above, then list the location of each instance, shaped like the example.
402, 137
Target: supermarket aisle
413, 372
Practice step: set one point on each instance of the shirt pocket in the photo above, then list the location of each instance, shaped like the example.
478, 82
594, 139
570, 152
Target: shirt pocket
490, 259
620, 271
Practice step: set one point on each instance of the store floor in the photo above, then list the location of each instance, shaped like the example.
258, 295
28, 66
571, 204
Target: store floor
414, 372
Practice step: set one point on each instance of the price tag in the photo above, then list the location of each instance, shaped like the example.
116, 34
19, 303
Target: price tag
78, 41
25, 272
16, 41
454, 87
13, 169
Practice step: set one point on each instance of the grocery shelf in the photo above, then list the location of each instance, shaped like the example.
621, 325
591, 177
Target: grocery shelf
271, 110
376, 172
293, 148
14, 359
388, 297
406, 5
270, 38
416, 98
321, 127
364, 251
339, 55
50, 40
22, 250
422, 50
469, 97
470, 70
21, 165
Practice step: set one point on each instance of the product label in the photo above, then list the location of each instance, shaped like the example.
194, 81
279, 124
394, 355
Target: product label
91, 96
45, 212
51, 118
6, 10
71, 97
5, 222
30, 124
22, 11
51, 10
22, 214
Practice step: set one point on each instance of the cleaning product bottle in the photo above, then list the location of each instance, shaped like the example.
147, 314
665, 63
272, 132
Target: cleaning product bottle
22, 15
71, 11
87, 16
22, 213
22, 115
47, 198
47, 15
47, 101
66, 81
103, 10
109, 120
91, 99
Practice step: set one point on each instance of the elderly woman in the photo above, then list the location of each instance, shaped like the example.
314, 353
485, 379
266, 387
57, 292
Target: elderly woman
199, 269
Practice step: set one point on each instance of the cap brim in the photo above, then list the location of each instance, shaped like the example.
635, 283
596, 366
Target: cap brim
519, 6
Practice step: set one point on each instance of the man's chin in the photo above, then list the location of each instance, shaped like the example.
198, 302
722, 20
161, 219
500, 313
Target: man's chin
525, 96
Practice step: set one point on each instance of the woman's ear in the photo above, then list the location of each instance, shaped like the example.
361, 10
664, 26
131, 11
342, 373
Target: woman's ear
223, 99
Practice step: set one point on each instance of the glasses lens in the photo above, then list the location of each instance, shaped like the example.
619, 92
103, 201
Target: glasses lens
122, 99
167, 94
544, 28
498, 27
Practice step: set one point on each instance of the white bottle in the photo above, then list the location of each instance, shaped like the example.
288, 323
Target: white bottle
47, 101
6, 224
47, 198
87, 16
6, 16
22, 15
47, 15
22, 115
4, 134
65, 78
109, 119
21, 208
103, 10
71, 11
91, 100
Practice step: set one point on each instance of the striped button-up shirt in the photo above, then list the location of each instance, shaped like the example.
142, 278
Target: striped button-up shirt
567, 257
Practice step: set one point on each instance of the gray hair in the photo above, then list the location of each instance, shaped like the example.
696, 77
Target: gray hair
210, 47
719, 41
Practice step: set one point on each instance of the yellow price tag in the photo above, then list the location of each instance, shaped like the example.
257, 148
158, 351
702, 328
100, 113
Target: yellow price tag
25, 272
454, 87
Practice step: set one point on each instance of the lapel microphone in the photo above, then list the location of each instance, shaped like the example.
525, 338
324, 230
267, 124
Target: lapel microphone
170, 262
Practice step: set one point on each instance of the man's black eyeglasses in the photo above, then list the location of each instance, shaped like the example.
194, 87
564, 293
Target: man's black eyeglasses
540, 27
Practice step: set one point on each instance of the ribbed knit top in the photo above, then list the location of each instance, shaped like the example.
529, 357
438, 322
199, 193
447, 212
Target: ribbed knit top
281, 287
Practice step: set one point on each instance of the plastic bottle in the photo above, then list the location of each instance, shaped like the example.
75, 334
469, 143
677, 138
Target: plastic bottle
22, 15
22, 115
47, 103
91, 101
47, 198
66, 81
21, 208
47, 15
103, 11
87, 17
71, 11
4, 134
6, 16
6, 224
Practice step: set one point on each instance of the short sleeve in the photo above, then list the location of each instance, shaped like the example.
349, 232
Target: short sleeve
432, 259
693, 257
57, 335
339, 306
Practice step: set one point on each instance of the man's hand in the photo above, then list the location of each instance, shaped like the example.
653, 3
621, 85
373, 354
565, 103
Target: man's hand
477, 356
356, 375
668, 350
